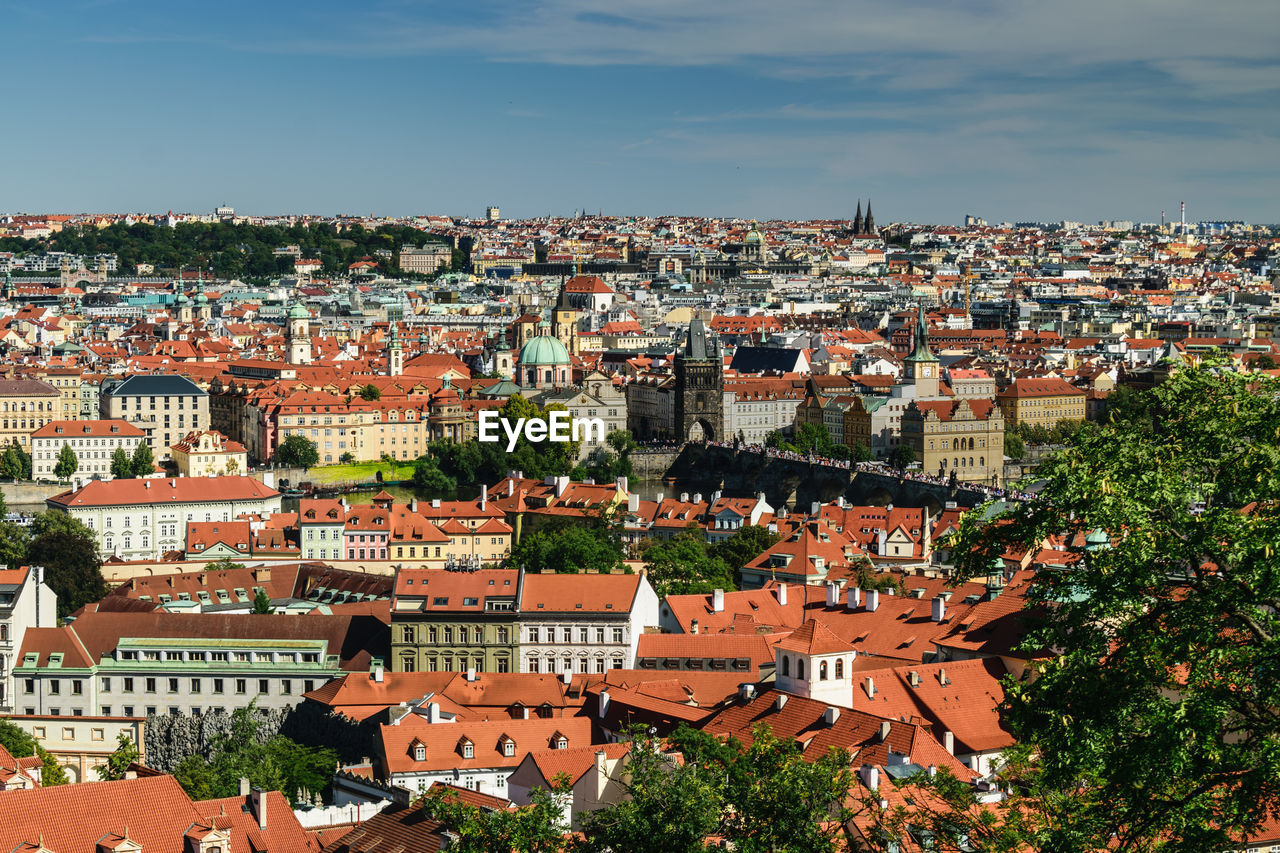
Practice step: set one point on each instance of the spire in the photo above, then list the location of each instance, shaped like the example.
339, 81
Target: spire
869, 225
857, 219
921, 351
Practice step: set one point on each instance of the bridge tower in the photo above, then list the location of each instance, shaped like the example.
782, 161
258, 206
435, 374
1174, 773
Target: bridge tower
699, 400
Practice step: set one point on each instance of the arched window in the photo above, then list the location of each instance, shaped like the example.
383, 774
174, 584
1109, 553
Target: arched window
822, 671
800, 668
786, 665
982, 460
839, 668
4, 632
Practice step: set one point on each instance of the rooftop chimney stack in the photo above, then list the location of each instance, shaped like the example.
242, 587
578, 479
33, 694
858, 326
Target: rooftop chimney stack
939, 609
782, 594
833, 595
873, 600
855, 598
258, 801
949, 742
717, 601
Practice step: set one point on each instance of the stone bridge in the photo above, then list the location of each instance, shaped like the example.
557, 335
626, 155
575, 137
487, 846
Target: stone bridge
797, 483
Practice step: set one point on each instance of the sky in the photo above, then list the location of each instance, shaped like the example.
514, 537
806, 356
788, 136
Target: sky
1006, 109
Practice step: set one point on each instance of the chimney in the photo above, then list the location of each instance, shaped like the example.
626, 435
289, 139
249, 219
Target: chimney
780, 702
873, 600
693, 626
562, 483
471, 673
913, 678
526, 712
717, 601
833, 595
566, 677
658, 497
244, 787
855, 598
377, 673
413, 505
433, 712
939, 609
880, 540
746, 692
484, 498
697, 497
511, 487
258, 801
871, 687
435, 503
633, 503
815, 509
871, 777
262, 574
603, 707
949, 742
942, 677
623, 485
831, 715
782, 594
885, 728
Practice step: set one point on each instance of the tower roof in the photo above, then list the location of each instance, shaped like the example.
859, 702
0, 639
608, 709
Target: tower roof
699, 344
814, 638
921, 351
299, 312
544, 349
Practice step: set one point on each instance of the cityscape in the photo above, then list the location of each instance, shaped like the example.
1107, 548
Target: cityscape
646, 427
290, 565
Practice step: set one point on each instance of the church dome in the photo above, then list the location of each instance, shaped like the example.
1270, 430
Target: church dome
299, 312
754, 236
544, 349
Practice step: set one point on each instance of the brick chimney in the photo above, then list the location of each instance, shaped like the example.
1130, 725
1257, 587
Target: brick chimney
258, 802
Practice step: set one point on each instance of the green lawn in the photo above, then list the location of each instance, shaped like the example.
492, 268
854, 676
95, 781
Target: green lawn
359, 472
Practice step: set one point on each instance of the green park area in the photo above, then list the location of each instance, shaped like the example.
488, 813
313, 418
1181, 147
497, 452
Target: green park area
360, 472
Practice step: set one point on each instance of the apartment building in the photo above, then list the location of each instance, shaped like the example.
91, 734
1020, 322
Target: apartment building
25, 603
82, 744
164, 406
93, 442
138, 664
144, 519
1042, 402
26, 405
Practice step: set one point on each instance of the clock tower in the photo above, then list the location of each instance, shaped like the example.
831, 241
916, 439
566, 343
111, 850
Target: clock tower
922, 366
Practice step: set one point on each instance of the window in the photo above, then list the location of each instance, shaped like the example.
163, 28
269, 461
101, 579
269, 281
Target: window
509, 748
128, 711
128, 685
106, 684
173, 685
504, 635
617, 635
97, 734
262, 686
217, 685
822, 671
406, 634
195, 685
786, 665
286, 687
55, 687
599, 635
242, 686
468, 750
29, 685
105, 711
839, 668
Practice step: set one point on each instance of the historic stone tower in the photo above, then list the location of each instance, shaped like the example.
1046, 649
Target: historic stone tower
299, 334
699, 401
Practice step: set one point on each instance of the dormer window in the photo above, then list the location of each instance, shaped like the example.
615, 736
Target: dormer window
468, 750
562, 743
508, 747
419, 753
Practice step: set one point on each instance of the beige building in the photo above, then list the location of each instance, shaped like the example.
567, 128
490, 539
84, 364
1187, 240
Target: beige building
1045, 402
82, 744
164, 406
26, 405
66, 380
960, 437
209, 453
425, 259
94, 443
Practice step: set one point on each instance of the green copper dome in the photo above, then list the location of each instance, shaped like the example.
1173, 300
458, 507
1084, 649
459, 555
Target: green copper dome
298, 312
544, 349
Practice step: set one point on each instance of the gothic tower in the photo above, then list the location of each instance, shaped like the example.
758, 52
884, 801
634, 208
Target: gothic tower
857, 219
922, 366
699, 401
869, 225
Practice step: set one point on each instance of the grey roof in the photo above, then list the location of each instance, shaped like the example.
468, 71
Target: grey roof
158, 384
763, 359
27, 388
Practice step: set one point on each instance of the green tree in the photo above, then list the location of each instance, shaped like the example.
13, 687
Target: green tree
1154, 724
901, 456
859, 452
744, 546
370, 392
275, 763
143, 462
670, 806
121, 465
69, 553
297, 451
125, 754
1013, 446
569, 545
430, 480
67, 463
683, 565
14, 544
15, 463
22, 745
537, 828
261, 602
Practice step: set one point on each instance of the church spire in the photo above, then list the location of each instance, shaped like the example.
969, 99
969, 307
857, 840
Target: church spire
857, 219
921, 351
869, 225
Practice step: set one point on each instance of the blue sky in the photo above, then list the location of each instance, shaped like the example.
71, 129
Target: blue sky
1007, 109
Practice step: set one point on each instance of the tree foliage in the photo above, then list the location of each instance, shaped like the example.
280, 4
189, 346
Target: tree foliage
69, 553
429, 480
274, 764
901, 456
121, 464
687, 564
809, 438
15, 463
370, 392
143, 461
486, 462
67, 463
572, 545
1154, 722
125, 754
538, 828
261, 602
297, 451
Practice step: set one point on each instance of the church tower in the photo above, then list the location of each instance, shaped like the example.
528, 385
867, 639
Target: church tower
857, 219
815, 663
564, 322
922, 366
699, 400
299, 335
395, 352
869, 224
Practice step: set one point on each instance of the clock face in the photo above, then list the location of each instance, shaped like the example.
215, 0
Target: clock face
925, 372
